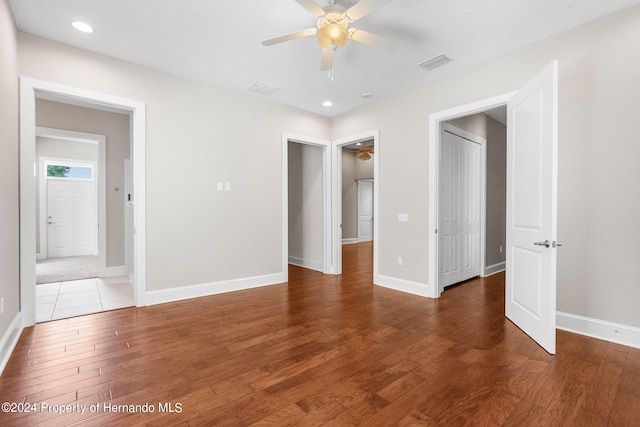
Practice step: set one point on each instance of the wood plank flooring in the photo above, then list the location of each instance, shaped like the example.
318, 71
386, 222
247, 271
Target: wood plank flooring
318, 350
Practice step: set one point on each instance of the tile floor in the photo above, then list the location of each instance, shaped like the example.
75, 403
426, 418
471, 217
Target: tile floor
69, 299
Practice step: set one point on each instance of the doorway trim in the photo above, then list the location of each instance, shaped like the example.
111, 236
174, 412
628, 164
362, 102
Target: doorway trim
30, 89
435, 125
336, 198
328, 266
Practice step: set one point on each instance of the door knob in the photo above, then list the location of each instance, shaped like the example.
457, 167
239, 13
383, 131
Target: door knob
51, 222
546, 243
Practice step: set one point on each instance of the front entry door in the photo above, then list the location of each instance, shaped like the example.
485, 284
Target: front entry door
69, 218
530, 300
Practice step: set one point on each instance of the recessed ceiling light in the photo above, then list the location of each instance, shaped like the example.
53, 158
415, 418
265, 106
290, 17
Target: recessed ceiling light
327, 104
358, 143
81, 26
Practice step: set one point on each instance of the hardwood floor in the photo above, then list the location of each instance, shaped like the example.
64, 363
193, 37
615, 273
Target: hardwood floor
319, 350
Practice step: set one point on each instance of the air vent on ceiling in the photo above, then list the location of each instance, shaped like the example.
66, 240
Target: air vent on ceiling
263, 88
434, 62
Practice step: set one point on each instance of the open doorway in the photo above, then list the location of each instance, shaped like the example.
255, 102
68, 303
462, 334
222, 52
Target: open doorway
472, 196
356, 200
472, 122
81, 236
306, 206
60, 97
531, 202
306, 240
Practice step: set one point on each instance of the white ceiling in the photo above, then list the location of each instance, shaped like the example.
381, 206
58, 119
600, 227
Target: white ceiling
218, 42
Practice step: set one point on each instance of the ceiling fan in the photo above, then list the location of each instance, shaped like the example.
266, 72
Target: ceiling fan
333, 28
365, 152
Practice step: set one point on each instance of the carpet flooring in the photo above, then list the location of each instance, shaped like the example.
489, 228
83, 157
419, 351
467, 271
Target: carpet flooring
52, 270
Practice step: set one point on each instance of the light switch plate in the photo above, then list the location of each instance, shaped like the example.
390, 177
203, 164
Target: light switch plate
403, 217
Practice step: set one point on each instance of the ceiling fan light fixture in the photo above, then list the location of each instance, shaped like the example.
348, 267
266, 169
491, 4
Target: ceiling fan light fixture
364, 151
364, 156
332, 34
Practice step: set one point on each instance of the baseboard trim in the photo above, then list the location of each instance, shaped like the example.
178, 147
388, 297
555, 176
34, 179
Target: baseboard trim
207, 289
317, 266
600, 329
349, 241
407, 286
490, 270
9, 340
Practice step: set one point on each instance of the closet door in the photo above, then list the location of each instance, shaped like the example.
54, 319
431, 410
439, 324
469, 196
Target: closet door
470, 206
450, 247
459, 230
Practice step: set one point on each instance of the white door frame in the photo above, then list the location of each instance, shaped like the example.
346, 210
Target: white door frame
44, 161
435, 121
30, 89
100, 178
326, 180
336, 195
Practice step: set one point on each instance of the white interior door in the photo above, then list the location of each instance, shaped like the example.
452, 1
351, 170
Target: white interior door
450, 246
470, 207
365, 210
69, 216
460, 200
530, 300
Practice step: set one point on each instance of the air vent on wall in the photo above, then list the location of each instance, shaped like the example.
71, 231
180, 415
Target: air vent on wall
434, 62
263, 88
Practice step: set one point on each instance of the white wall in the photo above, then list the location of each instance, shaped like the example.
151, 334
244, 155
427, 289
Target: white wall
196, 136
306, 206
598, 154
9, 189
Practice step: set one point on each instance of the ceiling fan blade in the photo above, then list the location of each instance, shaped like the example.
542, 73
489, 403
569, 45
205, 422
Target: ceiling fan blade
364, 7
312, 7
370, 39
292, 36
325, 62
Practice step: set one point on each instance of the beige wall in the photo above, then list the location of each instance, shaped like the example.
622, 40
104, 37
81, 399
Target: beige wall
71, 150
306, 205
9, 189
496, 186
196, 234
116, 129
352, 170
598, 200
196, 136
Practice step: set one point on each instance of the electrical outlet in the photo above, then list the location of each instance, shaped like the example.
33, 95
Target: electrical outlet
399, 260
227, 186
220, 186
2, 305
500, 248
